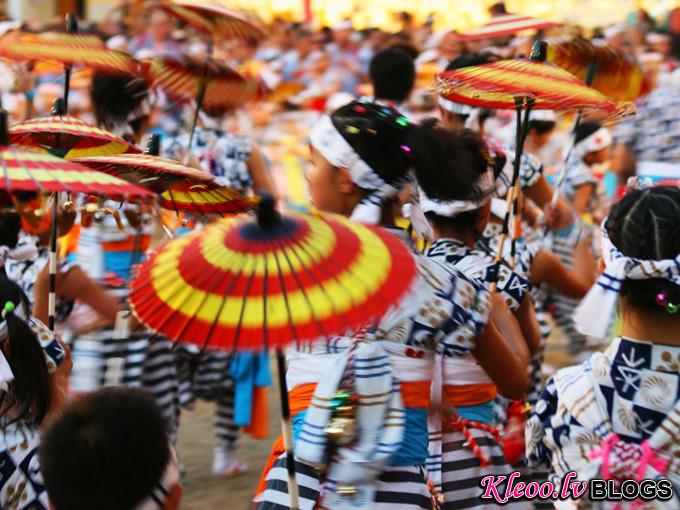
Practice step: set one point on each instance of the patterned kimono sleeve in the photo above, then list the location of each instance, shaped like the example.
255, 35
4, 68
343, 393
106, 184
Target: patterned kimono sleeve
578, 174
539, 425
52, 349
172, 148
512, 286
465, 312
530, 170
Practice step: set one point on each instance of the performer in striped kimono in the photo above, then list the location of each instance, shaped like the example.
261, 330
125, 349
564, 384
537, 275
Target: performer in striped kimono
464, 439
361, 155
616, 416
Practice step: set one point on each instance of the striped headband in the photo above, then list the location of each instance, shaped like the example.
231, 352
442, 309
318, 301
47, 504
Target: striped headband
594, 314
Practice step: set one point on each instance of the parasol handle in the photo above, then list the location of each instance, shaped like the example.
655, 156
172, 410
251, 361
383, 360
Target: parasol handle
71, 28
202, 86
267, 215
287, 431
539, 51
52, 299
153, 145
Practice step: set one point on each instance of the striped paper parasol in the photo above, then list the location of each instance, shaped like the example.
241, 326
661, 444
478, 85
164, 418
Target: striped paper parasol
71, 50
499, 85
180, 188
182, 80
616, 74
240, 284
507, 24
214, 20
69, 136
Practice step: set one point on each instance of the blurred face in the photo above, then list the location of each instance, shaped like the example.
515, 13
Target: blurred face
305, 44
540, 139
450, 45
324, 190
342, 37
598, 157
160, 26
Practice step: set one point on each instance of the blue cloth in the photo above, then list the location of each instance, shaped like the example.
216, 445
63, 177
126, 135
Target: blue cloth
249, 369
482, 413
413, 450
119, 262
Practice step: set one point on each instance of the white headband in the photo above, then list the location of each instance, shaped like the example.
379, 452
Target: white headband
160, 492
594, 314
6, 374
452, 208
326, 138
599, 140
455, 108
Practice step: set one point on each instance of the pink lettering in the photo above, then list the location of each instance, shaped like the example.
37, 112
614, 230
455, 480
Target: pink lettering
491, 483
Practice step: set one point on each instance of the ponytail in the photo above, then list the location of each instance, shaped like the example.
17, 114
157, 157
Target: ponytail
28, 395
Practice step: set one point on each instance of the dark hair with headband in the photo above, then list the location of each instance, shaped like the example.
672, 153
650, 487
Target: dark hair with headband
29, 395
107, 450
542, 126
393, 74
644, 225
585, 129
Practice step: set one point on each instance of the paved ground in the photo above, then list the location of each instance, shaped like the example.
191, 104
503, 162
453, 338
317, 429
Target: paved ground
203, 491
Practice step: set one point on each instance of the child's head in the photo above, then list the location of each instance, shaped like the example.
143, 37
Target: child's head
592, 142
26, 391
455, 177
541, 126
392, 74
360, 149
109, 450
644, 225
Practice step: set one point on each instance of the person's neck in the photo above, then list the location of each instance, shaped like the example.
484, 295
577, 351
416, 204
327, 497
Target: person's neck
450, 232
655, 329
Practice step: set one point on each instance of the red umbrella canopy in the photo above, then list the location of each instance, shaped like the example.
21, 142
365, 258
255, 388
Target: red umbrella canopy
241, 284
69, 136
70, 49
507, 24
214, 20
500, 84
180, 188
181, 80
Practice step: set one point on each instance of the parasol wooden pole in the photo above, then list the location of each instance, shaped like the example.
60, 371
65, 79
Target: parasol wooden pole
287, 431
521, 104
202, 86
516, 216
71, 28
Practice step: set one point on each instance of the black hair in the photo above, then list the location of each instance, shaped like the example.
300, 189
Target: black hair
542, 126
10, 227
115, 96
106, 450
393, 74
585, 129
472, 59
29, 395
450, 170
644, 225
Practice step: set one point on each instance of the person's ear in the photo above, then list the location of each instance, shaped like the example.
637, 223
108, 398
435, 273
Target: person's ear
600, 265
344, 181
174, 499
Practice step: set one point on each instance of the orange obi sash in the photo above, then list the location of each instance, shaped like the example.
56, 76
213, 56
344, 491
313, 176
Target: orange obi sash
469, 394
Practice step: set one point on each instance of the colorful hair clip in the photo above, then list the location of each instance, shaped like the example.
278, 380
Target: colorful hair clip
8, 308
403, 122
352, 130
637, 183
662, 301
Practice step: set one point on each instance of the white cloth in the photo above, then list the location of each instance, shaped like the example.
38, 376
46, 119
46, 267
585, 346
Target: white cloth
452, 208
6, 374
379, 418
600, 139
594, 314
25, 251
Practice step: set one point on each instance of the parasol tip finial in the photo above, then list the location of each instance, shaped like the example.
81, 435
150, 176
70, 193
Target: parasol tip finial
4, 127
539, 52
58, 107
267, 215
71, 23
153, 145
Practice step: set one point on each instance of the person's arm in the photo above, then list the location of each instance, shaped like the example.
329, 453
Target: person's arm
74, 284
507, 369
506, 324
526, 317
549, 269
541, 193
582, 195
257, 166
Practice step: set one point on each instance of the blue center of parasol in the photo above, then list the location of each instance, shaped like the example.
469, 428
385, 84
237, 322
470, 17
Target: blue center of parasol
251, 231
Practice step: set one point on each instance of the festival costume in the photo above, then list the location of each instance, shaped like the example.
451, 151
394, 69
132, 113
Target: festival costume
21, 483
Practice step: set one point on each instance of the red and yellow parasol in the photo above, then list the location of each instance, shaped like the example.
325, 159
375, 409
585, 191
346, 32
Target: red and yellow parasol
214, 20
508, 24
72, 137
180, 188
615, 74
182, 80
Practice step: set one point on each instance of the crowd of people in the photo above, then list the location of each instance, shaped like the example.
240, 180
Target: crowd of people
451, 388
